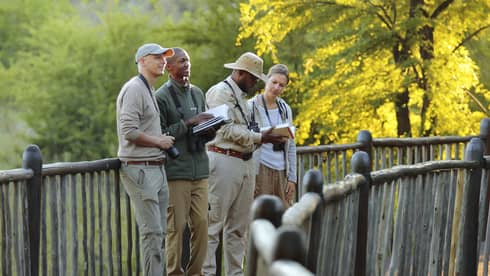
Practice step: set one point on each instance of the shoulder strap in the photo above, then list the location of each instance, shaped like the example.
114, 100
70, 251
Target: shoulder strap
176, 100
283, 110
236, 99
142, 78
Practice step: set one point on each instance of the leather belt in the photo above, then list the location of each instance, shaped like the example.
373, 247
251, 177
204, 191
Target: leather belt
242, 155
145, 163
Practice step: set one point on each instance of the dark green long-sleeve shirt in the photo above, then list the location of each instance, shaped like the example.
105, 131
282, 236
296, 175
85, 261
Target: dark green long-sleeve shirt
193, 163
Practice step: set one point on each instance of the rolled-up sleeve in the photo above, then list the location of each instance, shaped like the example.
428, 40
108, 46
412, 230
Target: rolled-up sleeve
131, 113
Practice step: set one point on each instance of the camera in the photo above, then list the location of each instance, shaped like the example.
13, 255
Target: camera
254, 126
278, 147
172, 152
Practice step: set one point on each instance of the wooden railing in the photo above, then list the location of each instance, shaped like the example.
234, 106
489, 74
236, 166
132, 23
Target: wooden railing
419, 219
74, 218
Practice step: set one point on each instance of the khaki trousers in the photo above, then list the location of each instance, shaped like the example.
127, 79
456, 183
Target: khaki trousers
147, 188
272, 182
188, 205
231, 186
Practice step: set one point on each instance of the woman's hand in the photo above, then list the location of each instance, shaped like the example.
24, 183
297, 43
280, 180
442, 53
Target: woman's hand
290, 190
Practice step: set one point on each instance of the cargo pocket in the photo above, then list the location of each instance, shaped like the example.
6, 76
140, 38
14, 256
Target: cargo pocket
170, 219
214, 213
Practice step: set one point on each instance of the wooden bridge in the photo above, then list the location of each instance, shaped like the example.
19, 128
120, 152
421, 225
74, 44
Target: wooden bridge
390, 206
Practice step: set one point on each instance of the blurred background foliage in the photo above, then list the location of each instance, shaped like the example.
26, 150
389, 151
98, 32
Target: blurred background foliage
62, 64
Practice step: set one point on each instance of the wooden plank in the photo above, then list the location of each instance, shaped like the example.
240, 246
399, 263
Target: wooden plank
16, 230
62, 224
108, 227
53, 226
100, 219
74, 222
85, 249
92, 218
457, 217
117, 210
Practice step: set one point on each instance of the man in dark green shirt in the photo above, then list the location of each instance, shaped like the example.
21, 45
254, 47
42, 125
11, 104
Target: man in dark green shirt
181, 107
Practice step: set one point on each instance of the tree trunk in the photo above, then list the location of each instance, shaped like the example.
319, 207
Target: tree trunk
402, 114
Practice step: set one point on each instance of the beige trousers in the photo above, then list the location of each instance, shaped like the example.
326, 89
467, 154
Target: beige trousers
147, 188
231, 186
272, 182
188, 204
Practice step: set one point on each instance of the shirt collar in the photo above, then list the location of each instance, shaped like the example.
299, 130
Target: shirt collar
178, 85
235, 86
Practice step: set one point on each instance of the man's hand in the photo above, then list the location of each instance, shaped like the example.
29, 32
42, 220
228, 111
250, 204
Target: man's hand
165, 141
269, 137
208, 135
199, 118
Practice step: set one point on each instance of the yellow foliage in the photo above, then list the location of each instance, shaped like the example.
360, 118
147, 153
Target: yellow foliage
358, 57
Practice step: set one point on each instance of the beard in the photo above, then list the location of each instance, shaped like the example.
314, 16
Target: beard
249, 90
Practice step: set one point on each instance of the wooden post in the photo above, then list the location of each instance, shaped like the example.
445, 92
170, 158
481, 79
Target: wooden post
31, 159
366, 139
467, 256
268, 207
485, 137
361, 164
313, 182
290, 245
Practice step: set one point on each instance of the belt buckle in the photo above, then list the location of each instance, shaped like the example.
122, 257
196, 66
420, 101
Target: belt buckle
247, 156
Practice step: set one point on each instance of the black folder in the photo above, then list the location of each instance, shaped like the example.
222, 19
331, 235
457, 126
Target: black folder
215, 123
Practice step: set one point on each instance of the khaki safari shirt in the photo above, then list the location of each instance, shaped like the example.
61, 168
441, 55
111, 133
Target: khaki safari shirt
234, 135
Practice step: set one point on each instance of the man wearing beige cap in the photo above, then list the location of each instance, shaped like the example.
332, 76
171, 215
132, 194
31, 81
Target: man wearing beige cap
141, 151
232, 176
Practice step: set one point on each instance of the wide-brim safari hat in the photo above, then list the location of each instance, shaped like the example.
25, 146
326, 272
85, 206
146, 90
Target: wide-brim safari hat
251, 63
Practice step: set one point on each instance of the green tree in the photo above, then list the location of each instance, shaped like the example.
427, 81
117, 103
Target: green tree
397, 68
66, 78
74, 75
209, 36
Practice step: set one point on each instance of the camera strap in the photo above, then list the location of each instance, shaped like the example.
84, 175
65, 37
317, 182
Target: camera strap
267, 111
177, 102
142, 78
237, 103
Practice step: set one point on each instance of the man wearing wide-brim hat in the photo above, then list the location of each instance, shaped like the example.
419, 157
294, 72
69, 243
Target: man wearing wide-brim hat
232, 169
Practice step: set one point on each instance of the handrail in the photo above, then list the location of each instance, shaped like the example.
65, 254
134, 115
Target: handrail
342, 188
16, 175
324, 148
420, 141
264, 236
386, 175
61, 168
302, 210
288, 268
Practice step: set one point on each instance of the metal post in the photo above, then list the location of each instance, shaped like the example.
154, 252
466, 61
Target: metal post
313, 182
360, 163
467, 255
268, 207
32, 159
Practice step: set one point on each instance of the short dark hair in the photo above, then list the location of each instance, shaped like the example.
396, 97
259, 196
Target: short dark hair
279, 69
176, 50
